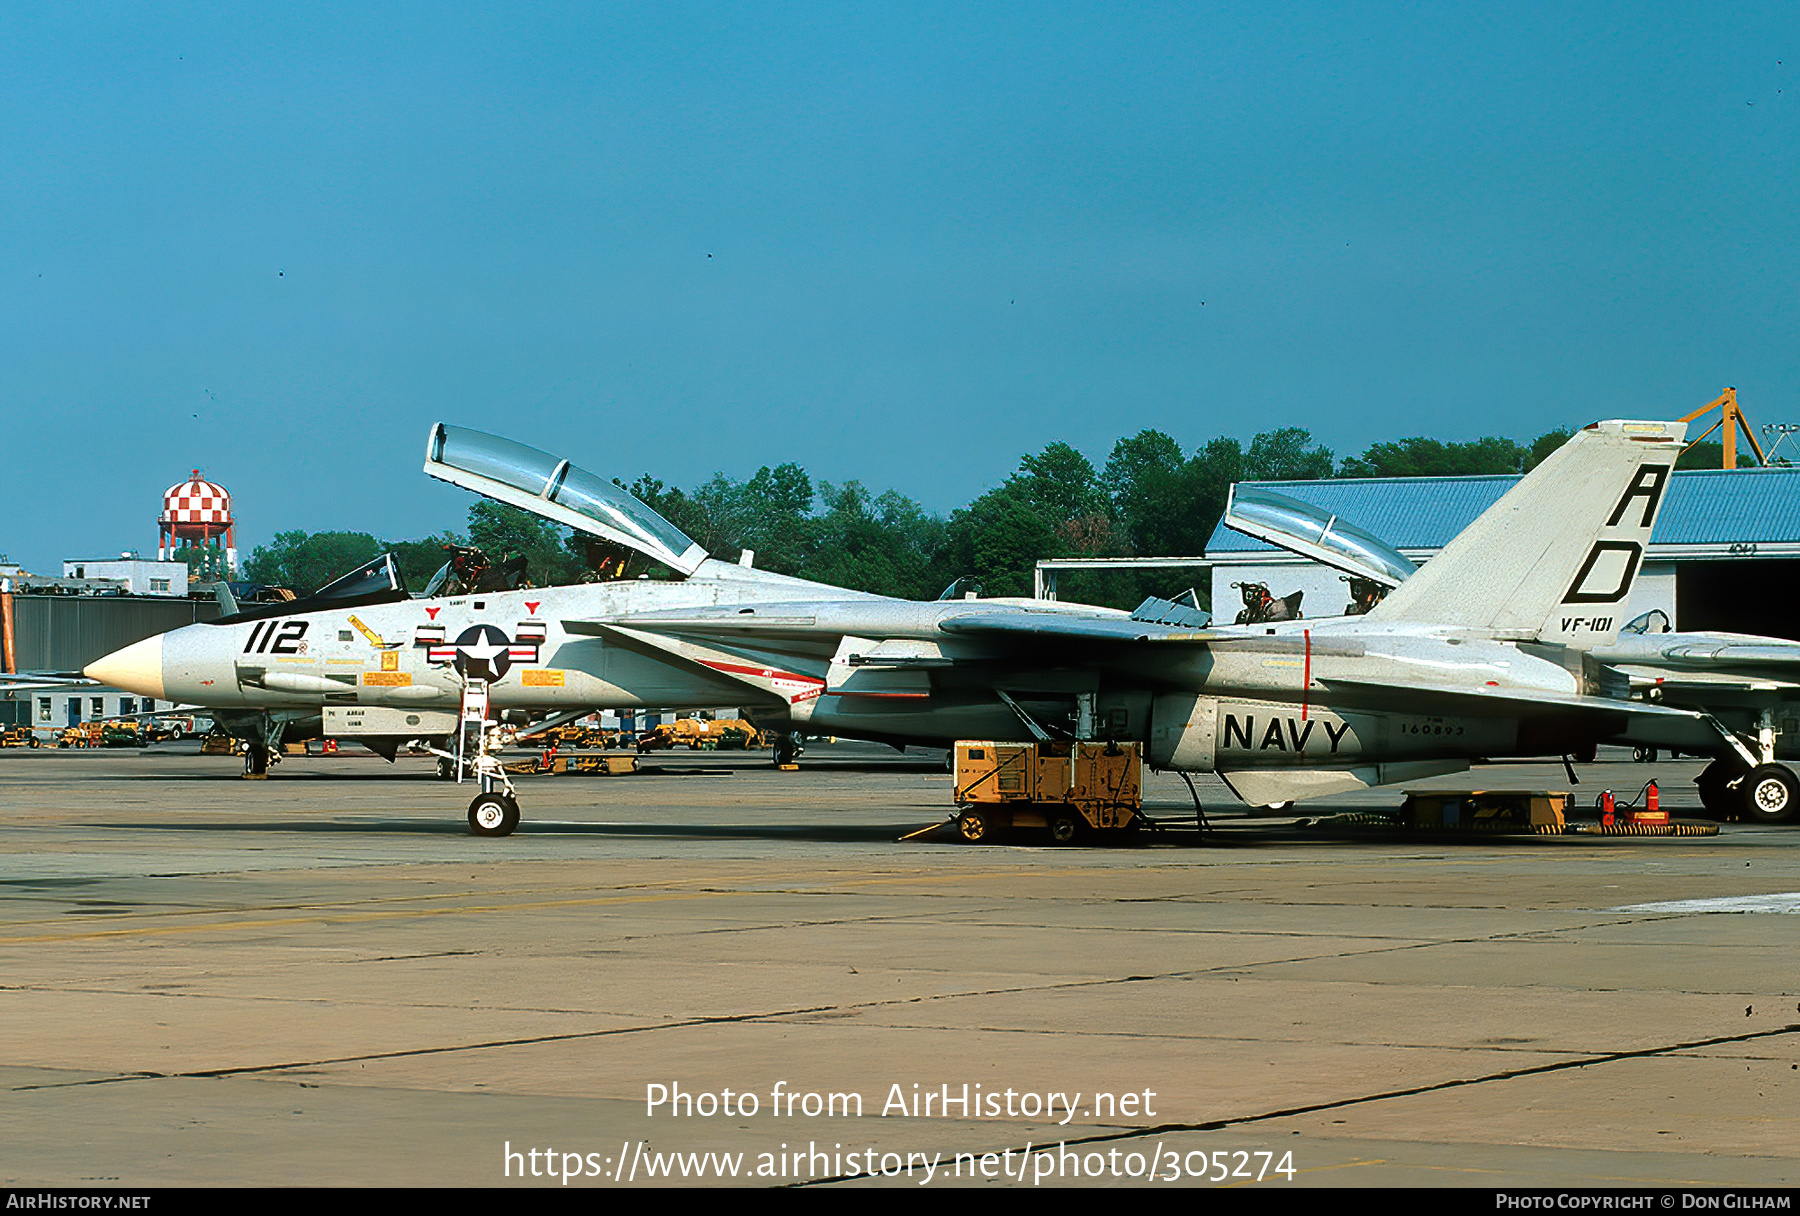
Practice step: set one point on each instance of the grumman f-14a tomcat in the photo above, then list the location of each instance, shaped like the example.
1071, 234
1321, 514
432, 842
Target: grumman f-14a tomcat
1483, 653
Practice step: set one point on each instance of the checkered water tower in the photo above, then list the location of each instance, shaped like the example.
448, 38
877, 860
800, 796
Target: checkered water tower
196, 527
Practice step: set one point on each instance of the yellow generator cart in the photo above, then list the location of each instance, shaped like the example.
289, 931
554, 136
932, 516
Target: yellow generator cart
1069, 788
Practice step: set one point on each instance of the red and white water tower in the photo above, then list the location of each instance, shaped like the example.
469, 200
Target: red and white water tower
196, 516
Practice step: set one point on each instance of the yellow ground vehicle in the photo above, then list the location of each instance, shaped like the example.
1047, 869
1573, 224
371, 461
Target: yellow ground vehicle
1070, 788
19, 736
100, 733
700, 734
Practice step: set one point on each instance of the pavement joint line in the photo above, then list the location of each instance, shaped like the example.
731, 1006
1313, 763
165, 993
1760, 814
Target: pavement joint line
1214, 1125
685, 1023
780, 1015
710, 891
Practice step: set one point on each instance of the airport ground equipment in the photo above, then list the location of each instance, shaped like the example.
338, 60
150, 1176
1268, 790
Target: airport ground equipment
1068, 787
19, 736
700, 734
1445, 814
1545, 812
592, 764
108, 732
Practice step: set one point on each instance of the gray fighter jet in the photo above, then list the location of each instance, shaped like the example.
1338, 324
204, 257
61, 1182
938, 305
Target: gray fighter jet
1484, 652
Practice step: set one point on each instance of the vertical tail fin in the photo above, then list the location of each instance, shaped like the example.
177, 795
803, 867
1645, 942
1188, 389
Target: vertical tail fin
1555, 559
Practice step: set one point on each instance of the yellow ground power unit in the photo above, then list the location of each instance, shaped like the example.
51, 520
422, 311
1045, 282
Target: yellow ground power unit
1069, 788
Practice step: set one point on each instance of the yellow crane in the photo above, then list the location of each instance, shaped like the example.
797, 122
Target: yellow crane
1729, 414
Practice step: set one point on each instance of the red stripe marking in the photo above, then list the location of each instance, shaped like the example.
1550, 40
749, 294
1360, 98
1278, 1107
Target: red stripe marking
762, 673
1306, 688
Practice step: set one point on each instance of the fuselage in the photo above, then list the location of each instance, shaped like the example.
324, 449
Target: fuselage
1289, 695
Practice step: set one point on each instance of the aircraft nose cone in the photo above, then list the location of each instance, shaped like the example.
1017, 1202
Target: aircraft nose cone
137, 668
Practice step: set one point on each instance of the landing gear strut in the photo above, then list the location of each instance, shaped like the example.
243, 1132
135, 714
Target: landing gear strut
788, 749
495, 810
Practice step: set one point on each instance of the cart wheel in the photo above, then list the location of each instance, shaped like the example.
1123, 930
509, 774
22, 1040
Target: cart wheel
1065, 826
977, 826
493, 815
1771, 794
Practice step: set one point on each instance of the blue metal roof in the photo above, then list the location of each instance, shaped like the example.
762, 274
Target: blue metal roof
1705, 507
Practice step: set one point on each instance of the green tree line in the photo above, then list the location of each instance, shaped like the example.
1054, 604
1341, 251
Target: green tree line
1152, 497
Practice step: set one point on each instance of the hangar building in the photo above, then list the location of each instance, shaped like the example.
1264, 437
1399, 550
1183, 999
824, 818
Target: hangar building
48, 632
1725, 554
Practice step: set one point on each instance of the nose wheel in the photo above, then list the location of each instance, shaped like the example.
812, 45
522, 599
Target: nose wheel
493, 814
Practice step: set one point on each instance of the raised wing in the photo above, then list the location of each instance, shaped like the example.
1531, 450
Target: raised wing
558, 491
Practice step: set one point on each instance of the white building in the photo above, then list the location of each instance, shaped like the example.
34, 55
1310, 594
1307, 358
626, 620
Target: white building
138, 576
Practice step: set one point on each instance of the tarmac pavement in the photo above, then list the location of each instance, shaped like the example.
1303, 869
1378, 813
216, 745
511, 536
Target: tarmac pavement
322, 979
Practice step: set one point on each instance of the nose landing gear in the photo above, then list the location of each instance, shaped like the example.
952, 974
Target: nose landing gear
495, 810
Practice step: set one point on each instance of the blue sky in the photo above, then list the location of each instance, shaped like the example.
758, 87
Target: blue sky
903, 244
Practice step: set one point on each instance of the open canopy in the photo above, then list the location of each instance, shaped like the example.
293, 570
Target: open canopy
376, 581
556, 490
1311, 532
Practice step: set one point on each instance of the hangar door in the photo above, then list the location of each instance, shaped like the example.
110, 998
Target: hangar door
1758, 595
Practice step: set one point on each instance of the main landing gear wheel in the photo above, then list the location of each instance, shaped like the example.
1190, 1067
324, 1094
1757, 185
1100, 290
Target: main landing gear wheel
1771, 794
977, 826
256, 760
493, 815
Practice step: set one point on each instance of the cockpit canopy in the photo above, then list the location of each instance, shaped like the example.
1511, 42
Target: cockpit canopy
557, 491
1302, 528
374, 582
